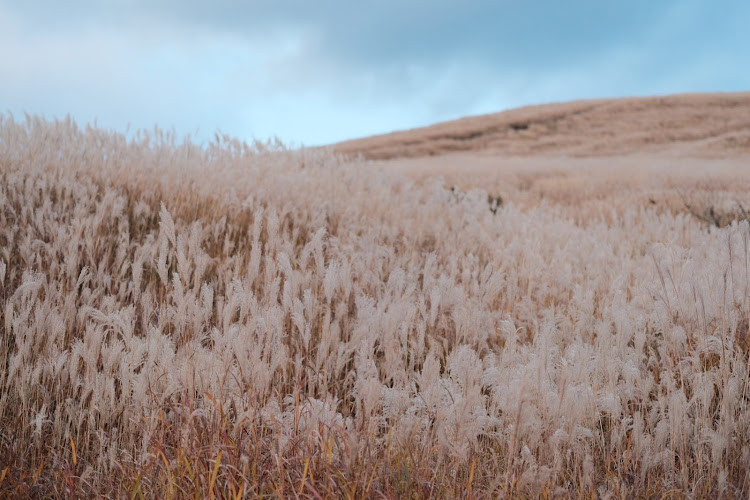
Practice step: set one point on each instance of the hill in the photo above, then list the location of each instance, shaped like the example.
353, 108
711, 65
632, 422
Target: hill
693, 124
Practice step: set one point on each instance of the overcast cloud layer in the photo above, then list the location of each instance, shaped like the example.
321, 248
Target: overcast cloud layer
316, 72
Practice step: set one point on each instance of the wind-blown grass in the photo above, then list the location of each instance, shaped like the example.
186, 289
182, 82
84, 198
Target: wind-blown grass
242, 320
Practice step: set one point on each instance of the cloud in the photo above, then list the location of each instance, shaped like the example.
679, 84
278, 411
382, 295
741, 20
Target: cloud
323, 71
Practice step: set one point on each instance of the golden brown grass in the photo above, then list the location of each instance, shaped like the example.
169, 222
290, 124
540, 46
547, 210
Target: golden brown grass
244, 321
706, 125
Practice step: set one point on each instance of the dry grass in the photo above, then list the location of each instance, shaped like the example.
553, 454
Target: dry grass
245, 321
698, 124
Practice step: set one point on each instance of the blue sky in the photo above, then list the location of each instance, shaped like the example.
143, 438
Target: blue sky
316, 72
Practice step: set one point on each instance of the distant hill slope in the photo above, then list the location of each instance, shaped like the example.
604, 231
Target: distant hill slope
697, 124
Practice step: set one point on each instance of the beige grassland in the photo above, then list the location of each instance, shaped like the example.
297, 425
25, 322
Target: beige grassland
591, 188
243, 320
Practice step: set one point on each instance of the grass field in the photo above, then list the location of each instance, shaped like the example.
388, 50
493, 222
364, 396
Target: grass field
236, 321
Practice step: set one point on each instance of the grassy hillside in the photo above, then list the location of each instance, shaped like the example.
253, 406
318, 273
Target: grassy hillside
240, 320
697, 124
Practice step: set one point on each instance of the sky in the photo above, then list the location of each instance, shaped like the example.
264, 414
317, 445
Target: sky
313, 72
